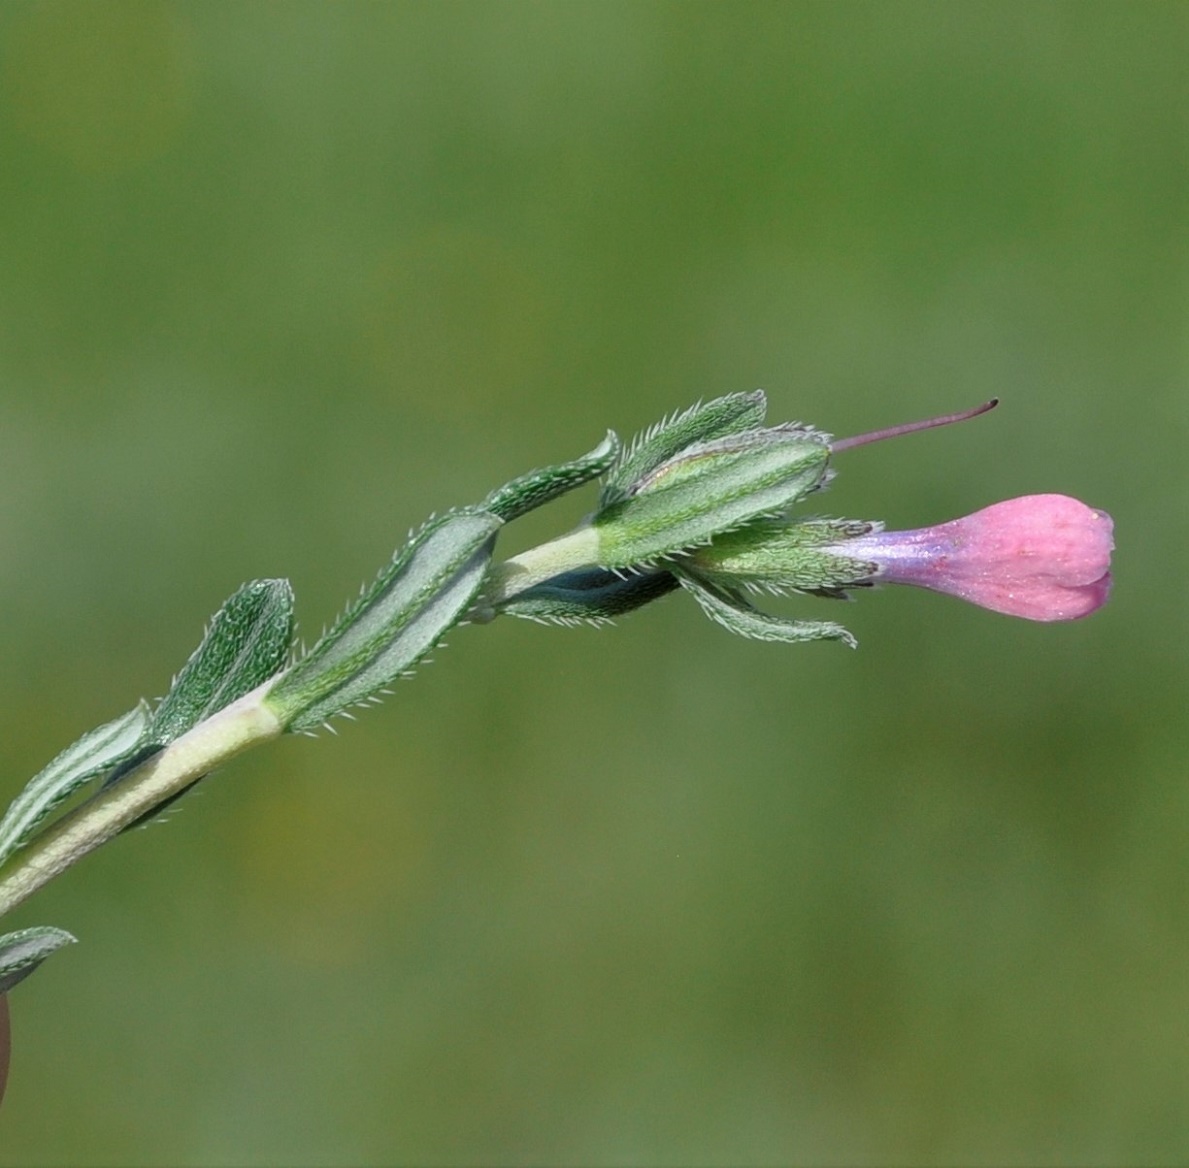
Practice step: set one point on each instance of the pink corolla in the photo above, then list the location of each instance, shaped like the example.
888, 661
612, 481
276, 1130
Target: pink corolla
1041, 557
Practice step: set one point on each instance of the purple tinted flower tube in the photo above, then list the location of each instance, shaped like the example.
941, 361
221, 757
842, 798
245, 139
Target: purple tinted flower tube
1041, 557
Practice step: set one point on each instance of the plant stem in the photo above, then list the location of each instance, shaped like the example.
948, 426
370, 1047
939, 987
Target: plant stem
576, 549
231, 731
234, 729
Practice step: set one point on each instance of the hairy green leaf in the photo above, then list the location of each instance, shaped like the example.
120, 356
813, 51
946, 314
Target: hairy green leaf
732, 414
538, 487
248, 640
425, 590
591, 596
94, 754
709, 488
737, 614
23, 951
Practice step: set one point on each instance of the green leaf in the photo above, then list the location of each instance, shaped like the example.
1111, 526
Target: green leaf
590, 596
538, 487
732, 414
247, 642
426, 589
709, 488
93, 754
23, 951
738, 615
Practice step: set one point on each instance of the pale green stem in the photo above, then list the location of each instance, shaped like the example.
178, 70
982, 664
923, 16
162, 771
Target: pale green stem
241, 725
577, 549
222, 736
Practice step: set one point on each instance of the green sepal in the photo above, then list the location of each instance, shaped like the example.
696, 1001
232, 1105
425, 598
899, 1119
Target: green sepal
426, 589
732, 414
737, 614
23, 951
781, 556
94, 754
709, 488
247, 642
588, 596
539, 487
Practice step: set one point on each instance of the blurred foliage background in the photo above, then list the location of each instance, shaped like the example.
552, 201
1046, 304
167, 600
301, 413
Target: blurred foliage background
277, 281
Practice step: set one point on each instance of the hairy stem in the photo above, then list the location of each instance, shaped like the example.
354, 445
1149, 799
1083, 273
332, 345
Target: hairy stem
577, 549
231, 731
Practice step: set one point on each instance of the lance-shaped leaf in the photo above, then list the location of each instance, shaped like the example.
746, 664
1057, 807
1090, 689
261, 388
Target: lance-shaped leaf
23, 951
708, 488
94, 754
539, 487
248, 640
426, 590
590, 596
732, 414
737, 614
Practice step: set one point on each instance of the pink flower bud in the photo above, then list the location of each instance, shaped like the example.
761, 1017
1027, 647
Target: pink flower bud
1042, 557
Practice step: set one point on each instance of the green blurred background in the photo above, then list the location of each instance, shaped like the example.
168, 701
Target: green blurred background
277, 281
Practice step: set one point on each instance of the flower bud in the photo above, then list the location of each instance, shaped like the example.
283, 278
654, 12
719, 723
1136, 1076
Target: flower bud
1041, 557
